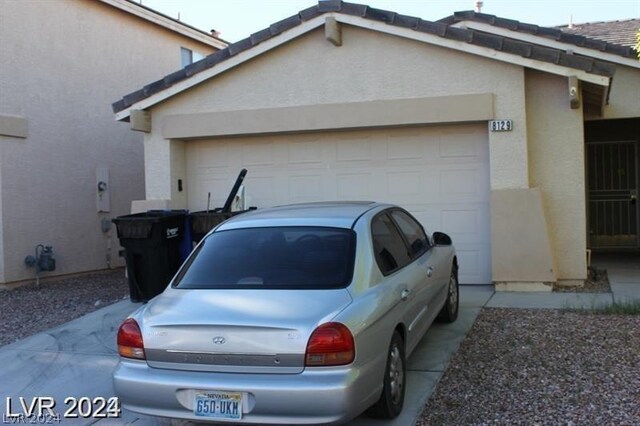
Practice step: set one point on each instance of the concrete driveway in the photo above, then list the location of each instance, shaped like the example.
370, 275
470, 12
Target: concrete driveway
76, 359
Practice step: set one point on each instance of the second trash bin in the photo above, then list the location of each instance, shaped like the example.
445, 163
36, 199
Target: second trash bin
202, 222
152, 243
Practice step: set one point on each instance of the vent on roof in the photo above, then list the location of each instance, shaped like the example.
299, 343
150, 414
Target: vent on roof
478, 7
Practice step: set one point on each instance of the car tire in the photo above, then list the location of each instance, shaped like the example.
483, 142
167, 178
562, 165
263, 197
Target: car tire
391, 401
449, 312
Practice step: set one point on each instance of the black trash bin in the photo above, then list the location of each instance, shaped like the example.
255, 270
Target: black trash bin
152, 243
204, 221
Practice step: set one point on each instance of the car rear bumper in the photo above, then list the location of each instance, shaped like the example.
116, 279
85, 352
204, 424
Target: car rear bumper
318, 395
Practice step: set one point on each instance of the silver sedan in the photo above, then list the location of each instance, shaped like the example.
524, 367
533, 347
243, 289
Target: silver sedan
296, 315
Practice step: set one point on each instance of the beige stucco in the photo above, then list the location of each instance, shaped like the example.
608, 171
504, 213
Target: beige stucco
368, 66
536, 170
556, 164
140, 121
13, 126
345, 116
522, 252
624, 99
63, 65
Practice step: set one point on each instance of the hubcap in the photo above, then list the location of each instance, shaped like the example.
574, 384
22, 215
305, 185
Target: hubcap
453, 294
396, 374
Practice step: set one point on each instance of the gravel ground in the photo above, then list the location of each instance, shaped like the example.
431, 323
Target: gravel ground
28, 310
543, 366
597, 282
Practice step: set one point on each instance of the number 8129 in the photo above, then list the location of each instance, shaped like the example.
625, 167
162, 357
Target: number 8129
501, 125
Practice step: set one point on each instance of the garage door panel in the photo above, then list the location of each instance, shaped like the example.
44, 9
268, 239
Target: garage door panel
459, 145
467, 222
304, 189
459, 184
212, 155
429, 217
200, 189
354, 186
404, 151
401, 185
460, 221
430, 186
439, 174
405, 148
305, 152
356, 149
475, 262
258, 154
263, 190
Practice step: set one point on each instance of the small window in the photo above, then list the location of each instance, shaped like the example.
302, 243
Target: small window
413, 232
188, 56
389, 248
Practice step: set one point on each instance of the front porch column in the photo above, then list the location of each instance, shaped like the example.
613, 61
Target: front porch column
521, 251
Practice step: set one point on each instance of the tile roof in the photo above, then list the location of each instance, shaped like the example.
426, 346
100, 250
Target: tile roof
623, 32
177, 21
577, 38
441, 29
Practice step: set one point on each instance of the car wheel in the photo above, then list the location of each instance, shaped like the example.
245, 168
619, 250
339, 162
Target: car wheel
449, 312
393, 386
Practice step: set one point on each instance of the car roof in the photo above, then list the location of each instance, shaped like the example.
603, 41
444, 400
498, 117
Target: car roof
337, 214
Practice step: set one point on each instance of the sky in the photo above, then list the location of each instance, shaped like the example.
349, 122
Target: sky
237, 19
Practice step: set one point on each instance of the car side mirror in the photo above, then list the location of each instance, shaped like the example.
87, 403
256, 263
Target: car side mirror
441, 239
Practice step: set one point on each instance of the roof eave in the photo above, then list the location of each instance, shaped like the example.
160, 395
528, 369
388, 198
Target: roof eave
234, 58
554, 44
485, 45
164, 21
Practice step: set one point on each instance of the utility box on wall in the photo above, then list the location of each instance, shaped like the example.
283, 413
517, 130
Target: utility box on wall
103, 190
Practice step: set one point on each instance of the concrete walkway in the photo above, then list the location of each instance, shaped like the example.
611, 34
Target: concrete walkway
624, 274
77, 358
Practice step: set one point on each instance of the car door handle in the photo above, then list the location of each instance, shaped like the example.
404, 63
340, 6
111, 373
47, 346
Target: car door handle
405, 294
429, 271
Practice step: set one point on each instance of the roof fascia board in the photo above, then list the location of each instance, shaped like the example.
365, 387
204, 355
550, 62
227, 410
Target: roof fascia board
225, 65
366, 24
469, 48
543, 41
166, 23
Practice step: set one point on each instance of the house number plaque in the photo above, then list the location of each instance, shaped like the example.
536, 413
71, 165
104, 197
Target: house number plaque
501, 125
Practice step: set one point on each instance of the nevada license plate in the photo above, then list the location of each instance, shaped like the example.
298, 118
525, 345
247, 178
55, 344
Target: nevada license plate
218, 404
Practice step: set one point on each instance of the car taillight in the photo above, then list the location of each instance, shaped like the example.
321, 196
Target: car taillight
330, 344
130, 343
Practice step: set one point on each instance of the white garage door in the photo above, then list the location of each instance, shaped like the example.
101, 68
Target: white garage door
440, 174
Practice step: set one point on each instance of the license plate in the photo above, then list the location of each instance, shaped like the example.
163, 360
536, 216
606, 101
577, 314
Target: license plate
218, 404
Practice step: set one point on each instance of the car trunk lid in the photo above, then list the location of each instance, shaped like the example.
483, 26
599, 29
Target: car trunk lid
250, 331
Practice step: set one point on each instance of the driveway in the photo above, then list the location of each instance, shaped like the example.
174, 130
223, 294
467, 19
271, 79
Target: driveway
76, 359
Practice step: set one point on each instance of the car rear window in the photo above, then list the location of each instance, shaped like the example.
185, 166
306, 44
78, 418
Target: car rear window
276, 257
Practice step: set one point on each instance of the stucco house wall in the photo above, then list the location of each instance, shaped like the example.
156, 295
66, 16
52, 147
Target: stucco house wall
557, 167
295, 74
537, 170
63, 64
625, 94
